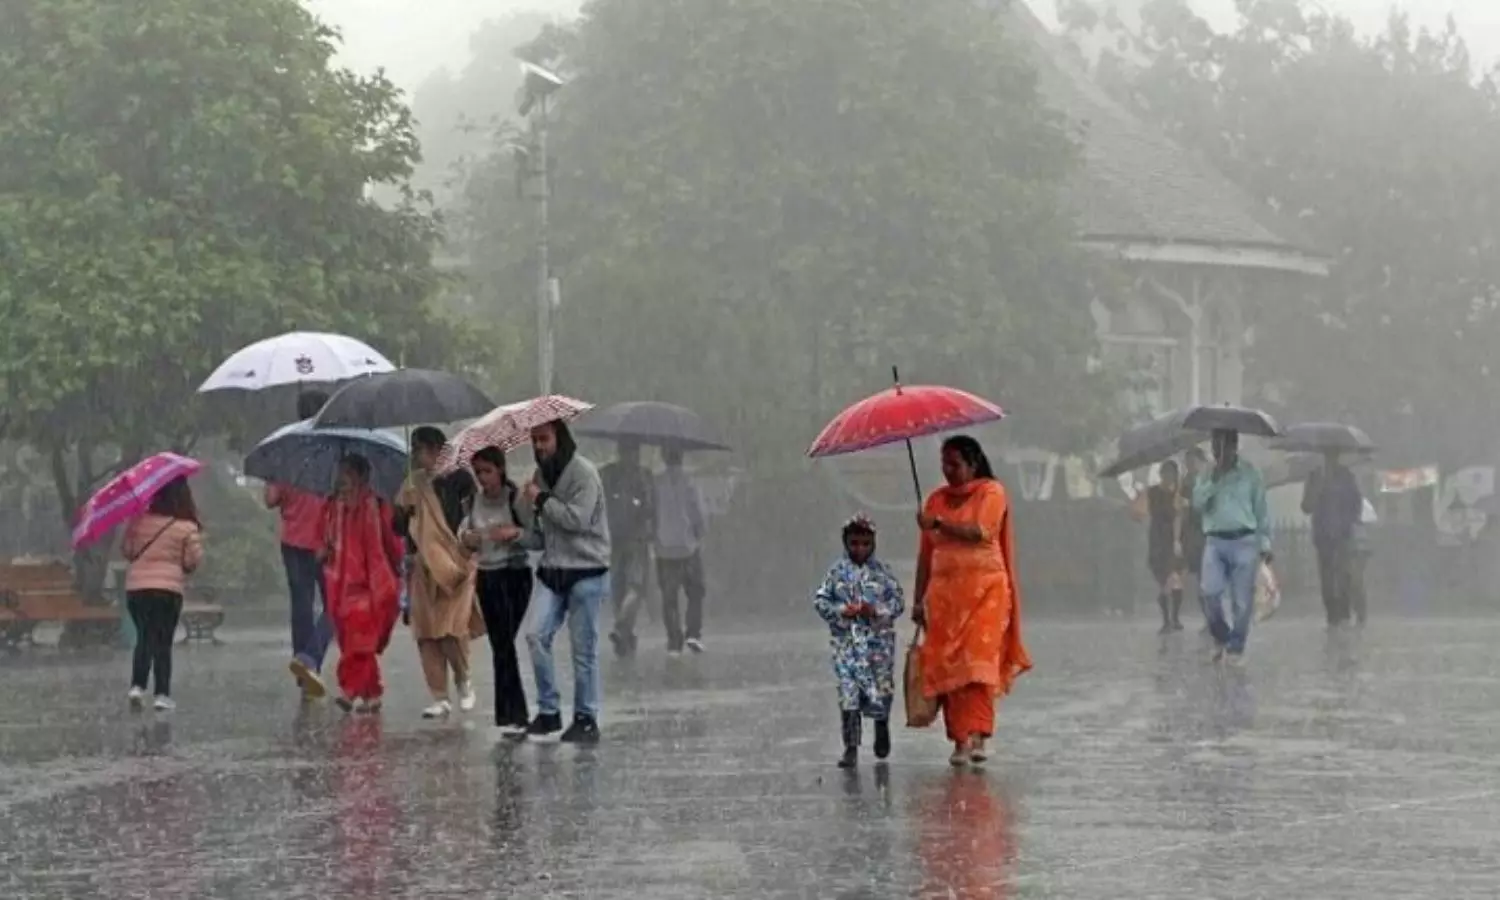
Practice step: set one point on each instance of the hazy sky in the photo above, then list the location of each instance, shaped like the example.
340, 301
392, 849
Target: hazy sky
411, 38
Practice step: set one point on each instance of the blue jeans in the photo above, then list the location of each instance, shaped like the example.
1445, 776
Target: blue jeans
579, 608
311, 630
1229, 567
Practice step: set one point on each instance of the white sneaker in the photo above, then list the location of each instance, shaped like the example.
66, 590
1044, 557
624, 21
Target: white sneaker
466, 697
137, 697
164, 704
674, 654
438, 710
695, 644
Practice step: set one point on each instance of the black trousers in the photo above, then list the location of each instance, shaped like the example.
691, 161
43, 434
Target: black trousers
504, 595
1335, 570
155, 614
674, 576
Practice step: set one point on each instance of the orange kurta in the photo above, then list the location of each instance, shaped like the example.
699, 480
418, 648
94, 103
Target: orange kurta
973, 605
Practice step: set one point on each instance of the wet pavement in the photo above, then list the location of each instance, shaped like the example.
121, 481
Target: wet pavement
1127, 766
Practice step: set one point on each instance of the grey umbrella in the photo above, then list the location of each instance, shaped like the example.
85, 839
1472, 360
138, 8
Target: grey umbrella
1324, 437
1297, 468
1161, 438
650, 422
1242, 419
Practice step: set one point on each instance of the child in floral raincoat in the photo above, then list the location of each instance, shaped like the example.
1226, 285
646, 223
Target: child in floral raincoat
861, 600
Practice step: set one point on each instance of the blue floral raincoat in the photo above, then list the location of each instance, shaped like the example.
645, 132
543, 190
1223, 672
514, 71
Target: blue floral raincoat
864, 649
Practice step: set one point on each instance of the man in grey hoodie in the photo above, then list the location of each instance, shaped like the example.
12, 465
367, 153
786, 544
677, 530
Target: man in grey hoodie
568, 497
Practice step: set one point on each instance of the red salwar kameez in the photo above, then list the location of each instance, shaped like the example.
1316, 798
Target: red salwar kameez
361, 588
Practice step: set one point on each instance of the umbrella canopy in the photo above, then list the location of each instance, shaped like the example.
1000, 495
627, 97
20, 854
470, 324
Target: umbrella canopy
306, 457
508, 427
129, 495
653, 423
902, 414
296, 357
1297, 467
1159, 439
1324, 437
1242, 419
403, 397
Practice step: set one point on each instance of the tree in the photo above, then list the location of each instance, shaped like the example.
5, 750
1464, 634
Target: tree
759, 206
1386, 149
178, 178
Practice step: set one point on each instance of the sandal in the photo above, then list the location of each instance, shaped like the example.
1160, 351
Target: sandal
961, 752
978, 754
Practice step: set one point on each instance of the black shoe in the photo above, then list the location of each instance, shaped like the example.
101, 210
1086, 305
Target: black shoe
882, 739
545, 724
621, 644
583, 731
850, 759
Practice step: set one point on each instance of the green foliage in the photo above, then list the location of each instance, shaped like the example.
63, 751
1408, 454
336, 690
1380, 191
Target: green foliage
177, 179
760, 206
1386, 149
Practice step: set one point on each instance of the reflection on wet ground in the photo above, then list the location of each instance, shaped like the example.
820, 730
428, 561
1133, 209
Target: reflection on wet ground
1364, 765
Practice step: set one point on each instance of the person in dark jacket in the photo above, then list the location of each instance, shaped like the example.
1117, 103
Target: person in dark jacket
1332, 497
629, 502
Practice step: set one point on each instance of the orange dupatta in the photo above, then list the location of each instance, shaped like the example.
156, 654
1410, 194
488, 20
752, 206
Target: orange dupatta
973, 602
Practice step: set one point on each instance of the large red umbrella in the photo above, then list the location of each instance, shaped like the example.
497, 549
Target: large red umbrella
902, 413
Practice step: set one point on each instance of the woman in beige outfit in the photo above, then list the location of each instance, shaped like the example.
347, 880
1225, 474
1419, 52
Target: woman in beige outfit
444, 614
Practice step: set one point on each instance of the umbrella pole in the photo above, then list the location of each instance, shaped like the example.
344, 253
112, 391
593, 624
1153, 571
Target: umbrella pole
911, 456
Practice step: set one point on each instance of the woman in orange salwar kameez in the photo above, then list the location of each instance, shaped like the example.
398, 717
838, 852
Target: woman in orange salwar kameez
360, 565
967, 599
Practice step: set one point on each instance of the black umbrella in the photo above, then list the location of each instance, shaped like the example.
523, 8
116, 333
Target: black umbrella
403, 397
650, 422
1324, 437
1242, 419
1297, 468
1161, 438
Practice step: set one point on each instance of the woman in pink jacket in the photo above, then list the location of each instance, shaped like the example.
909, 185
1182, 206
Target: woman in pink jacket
163, 547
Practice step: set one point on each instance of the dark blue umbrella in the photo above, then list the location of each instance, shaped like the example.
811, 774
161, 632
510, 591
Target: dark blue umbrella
305, 457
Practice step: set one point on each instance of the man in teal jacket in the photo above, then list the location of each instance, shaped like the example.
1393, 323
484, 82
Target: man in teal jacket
1237, 525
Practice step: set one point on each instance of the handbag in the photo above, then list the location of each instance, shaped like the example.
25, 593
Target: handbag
921, 710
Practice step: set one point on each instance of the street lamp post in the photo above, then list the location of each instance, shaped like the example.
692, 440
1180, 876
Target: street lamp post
539, 85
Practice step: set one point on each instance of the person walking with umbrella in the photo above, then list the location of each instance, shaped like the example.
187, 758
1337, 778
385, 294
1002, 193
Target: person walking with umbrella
499, 530
1162, 507
163, 547
361, 558
1331, 496
968, 600
1232, 500
442, 614
630, 501
302, 515
568, 498
680, 528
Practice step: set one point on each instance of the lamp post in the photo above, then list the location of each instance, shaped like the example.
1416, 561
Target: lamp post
539, 85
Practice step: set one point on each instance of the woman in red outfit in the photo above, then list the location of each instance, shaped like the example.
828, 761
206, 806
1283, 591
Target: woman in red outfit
361, 557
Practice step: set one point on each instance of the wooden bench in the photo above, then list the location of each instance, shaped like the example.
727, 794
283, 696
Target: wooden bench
32, 594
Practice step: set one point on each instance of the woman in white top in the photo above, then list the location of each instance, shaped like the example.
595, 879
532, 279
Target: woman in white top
499, 531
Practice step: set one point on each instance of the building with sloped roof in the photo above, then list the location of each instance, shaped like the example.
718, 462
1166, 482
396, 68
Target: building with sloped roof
1193, 247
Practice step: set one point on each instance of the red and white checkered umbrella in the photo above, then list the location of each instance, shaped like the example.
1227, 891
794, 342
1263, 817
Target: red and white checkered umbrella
508, 427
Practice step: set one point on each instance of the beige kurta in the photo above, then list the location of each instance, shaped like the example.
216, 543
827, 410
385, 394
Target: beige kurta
443, 603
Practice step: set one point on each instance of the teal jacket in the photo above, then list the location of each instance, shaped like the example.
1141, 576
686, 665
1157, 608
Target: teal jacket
1236, 502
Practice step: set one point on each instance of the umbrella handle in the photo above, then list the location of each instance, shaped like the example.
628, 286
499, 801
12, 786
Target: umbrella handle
911, 457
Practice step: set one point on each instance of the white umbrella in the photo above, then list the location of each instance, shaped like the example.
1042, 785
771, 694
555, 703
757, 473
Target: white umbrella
293, 358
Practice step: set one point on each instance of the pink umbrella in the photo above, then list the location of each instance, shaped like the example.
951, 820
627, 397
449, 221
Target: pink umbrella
129, 495
508, 427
